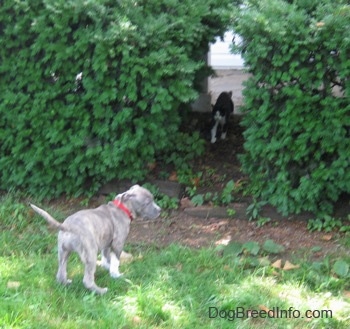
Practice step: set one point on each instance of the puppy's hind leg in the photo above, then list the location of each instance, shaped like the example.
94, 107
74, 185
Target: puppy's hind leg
61, 275
89, 275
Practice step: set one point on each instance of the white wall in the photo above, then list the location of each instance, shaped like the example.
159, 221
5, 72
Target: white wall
220, 56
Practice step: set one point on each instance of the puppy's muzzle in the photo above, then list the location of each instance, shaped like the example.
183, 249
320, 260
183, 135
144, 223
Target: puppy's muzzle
151, 211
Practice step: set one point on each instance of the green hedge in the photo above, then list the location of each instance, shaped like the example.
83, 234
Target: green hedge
139, 62
297, 121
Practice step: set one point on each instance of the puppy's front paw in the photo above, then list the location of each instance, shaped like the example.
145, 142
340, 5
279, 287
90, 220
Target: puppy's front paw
115, 275
103, 263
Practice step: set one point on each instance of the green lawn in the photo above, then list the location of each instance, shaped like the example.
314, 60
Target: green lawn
175, 287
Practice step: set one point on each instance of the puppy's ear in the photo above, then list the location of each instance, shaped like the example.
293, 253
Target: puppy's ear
127, 196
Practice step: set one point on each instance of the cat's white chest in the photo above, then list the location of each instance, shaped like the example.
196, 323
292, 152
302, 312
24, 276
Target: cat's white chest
220, 120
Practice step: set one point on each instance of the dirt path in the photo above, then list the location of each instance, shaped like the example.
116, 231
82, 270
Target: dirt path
202, 232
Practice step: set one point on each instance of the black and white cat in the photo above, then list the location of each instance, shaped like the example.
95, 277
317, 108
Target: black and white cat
220, 115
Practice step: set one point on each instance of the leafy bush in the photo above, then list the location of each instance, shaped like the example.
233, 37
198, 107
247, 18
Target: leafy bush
297, 121
92, 90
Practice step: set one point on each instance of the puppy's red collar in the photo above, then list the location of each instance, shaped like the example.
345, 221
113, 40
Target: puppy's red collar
122, 207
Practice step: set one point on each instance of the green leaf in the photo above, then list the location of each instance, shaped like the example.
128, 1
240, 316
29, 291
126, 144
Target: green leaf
316, 249
341, 268
272, 247
198, 199
252, 247
234, 248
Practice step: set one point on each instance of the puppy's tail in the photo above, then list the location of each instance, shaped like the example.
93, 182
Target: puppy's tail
52, 221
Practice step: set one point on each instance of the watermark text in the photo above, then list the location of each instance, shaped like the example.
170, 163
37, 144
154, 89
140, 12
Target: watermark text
273, 313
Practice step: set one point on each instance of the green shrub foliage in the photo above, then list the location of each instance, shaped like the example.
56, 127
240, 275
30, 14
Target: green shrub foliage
91, 90
297, 121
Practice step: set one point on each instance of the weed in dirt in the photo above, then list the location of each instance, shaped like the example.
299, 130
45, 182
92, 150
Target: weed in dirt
345, 240
328, 223
173, 287
253, 213
223, 198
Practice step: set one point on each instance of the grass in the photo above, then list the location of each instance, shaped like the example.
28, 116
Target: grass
175, 287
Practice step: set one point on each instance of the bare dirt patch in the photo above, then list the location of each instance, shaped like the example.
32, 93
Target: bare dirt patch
209, 226
202, 232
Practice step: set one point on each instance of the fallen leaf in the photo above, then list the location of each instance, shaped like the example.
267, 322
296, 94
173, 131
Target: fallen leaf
13, 284
239, 183
195, 181
179, 266
224, 241
308, 319
152, 165
264, 308
173, 176
277, 264
320, 24
125, 257
327, 237
227, 268
271, 313
136, 319
346, 294
186, 203
289, 266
